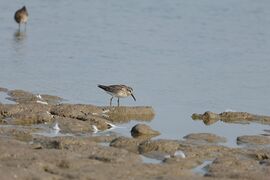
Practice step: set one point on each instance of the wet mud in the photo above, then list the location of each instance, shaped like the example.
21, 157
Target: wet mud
43, 138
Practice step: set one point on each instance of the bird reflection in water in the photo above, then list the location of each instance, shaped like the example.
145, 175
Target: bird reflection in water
19, 35
19, 43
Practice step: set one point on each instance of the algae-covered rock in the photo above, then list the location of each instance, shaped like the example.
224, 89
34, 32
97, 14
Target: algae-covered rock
208, 117
168, 146
253, 140
129, 144
77, 111
238, 168
23, 114
24, 97
114, 155
143, 129
205, 137
231, 117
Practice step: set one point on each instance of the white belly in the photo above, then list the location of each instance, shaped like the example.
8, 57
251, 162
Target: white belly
24, 19
119, 95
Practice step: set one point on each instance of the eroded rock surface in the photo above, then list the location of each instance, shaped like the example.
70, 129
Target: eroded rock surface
72, 118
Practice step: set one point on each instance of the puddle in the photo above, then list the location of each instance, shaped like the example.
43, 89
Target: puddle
51, 134
154, 157
50, 131
148, 160
105, 144
202, 169
4, 100
19, 127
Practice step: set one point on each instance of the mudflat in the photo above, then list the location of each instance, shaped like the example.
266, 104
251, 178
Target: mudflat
43, 138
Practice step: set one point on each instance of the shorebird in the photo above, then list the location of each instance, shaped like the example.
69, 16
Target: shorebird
21, 16
119, 91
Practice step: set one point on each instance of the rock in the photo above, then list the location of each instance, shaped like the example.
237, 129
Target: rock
182, 162
23, 97
129, 144
50, 99
24, 114
231, 117
237, 167
31, 118
205, 138
103, 138
208, 117
253, 140
18, 133
3, 89
69, 125
64, 142
76, 111
114, 155
143, 129
202, 150
167, 146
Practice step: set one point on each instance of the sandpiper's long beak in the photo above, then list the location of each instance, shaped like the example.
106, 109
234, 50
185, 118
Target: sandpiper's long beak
133, 97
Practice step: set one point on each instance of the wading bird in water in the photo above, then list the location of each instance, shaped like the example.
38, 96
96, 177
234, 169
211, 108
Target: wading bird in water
21, 16
119, 91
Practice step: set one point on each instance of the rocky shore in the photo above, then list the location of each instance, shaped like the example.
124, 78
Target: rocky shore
43, 138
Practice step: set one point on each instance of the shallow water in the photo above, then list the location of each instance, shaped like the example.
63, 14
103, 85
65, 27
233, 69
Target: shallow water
202, 168
180, 57
150, 160
4, 100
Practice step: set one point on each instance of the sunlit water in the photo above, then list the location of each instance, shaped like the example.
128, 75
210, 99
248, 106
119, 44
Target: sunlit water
179, 56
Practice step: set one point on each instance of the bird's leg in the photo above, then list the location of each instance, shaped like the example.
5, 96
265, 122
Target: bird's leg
25, 26
19, 27
111, 101
118, 102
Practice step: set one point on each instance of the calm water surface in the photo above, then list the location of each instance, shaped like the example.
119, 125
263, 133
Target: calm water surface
179, 56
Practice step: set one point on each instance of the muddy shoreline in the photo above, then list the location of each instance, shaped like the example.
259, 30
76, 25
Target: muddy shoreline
43, 138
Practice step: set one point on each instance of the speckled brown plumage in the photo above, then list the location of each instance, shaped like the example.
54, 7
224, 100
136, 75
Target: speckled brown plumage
21, 16
119, 91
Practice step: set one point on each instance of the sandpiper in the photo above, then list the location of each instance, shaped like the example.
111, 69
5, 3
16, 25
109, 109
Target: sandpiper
119, 91
21, 16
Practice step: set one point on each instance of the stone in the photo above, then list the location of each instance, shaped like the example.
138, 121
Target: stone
205, 137
253, 140
143, 129
167, 146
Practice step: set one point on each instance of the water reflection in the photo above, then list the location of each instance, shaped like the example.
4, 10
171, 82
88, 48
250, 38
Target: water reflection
125, 114
19, 35
19, 44
209, 118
